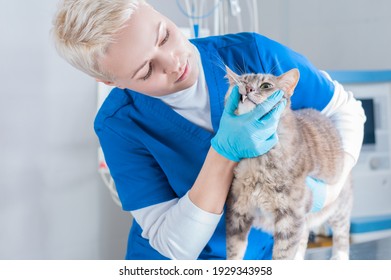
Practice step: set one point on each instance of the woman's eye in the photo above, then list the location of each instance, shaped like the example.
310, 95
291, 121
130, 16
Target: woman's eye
149, 72
150, 65
165, 38
266, 86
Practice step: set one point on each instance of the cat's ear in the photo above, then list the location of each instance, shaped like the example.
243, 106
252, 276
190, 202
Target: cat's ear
232, 77
289, 80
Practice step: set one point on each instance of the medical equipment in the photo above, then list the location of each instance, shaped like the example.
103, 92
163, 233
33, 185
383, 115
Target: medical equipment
371, 217
198, 13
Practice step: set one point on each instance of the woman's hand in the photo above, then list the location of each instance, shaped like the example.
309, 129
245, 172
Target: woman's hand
251, 134
324, 194
319, 193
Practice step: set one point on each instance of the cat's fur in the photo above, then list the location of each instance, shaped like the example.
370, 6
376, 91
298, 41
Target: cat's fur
270, 191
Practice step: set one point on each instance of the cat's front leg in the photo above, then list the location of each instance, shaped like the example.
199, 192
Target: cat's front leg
288, 232
238, 224
340, 225
303, 244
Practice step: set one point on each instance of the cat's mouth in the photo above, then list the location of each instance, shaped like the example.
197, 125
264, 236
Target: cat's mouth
243, 98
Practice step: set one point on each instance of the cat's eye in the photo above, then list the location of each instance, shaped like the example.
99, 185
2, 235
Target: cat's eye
266, 86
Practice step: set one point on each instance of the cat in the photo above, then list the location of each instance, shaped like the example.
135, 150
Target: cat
269, 191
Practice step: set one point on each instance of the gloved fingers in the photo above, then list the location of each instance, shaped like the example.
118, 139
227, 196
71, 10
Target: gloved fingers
271, 119
268, 104
232, 101
319, 192
265, 146
311, 181
272, 140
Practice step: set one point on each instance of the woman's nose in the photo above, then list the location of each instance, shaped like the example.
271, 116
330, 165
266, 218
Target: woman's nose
171, 63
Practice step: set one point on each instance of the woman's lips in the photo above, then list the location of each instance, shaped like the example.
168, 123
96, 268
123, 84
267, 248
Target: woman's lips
185, 73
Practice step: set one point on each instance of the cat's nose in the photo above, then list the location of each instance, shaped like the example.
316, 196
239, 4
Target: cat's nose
249, 89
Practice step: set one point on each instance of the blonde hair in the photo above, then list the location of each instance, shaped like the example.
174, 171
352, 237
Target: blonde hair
83, 30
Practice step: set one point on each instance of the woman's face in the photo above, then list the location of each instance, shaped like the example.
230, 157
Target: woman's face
150, 55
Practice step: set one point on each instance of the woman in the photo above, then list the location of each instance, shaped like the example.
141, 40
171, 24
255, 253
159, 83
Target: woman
169, 144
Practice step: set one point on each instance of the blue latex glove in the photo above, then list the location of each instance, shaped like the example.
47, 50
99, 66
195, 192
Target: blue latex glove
319, 192
251, 134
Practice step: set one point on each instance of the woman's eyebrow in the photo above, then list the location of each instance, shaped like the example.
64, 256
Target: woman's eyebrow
159, 31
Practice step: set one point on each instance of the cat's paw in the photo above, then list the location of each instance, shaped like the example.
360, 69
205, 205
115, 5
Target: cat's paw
299, 256
340, 256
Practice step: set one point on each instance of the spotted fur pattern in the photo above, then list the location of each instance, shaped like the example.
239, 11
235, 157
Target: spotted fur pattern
270, 191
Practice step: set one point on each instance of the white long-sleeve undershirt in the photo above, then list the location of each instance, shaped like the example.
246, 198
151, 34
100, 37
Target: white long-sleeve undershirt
348, 117
178, 229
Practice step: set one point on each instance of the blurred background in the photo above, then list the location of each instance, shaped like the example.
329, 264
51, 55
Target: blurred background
53, 202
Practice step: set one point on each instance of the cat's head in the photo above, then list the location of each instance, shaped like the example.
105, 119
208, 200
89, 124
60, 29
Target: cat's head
255, 88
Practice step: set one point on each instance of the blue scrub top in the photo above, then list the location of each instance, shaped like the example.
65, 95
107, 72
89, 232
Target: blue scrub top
154, 154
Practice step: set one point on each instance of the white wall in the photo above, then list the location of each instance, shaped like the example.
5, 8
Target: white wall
334, 34
53, 204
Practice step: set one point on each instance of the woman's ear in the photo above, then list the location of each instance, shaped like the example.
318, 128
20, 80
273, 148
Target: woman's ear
108, 83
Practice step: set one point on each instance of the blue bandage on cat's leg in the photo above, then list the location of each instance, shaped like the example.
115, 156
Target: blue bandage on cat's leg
319, 193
